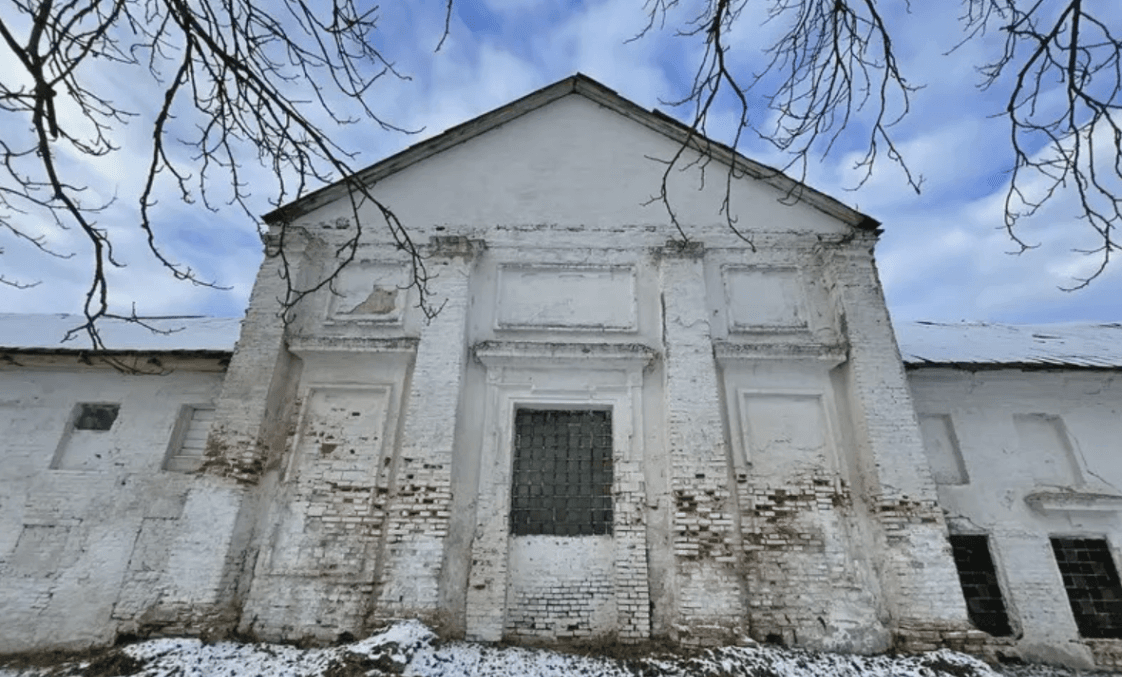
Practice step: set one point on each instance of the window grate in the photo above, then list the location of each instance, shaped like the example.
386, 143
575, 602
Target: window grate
562, 478
1092, 585
978, 576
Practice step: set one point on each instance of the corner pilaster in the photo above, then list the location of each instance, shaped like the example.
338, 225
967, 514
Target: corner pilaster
917, 572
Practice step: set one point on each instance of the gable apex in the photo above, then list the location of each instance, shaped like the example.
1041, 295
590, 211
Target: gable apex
583, 85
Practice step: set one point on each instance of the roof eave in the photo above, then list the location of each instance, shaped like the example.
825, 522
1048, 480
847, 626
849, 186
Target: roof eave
1020, 366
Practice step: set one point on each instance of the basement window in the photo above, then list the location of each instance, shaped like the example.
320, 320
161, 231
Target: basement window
98, 417
188, 440
1092, 585
562, 478
980, 588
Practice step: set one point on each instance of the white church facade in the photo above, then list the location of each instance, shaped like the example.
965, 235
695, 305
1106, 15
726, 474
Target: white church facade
605, 433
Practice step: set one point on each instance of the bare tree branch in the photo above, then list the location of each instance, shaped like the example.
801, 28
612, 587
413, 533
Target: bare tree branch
1065, 123
833, 73
832, 59
231, 65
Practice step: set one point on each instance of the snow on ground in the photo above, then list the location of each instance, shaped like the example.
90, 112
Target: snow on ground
410, 649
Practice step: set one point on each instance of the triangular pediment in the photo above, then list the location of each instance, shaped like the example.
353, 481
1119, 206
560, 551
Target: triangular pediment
610, 102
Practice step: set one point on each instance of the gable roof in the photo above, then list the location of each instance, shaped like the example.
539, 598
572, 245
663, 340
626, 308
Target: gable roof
981, 345
585, 86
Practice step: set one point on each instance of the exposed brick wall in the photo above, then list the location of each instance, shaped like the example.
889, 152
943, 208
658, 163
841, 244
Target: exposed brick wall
567, 594
705, 540
330, 518
418, 509
251, 411
800, 562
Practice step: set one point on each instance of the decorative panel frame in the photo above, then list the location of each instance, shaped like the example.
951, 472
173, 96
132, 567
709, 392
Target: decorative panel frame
369, 292
310, 495
555, 301
746, 290
819, 400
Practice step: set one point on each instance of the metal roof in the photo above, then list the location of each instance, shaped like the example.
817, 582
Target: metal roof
928, 344
27, 332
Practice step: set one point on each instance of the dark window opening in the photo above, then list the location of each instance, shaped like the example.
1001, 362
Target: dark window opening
980, 589
96, 416
1092, 585
562, 479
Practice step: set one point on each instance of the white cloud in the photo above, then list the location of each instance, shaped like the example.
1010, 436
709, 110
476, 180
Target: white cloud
943, 255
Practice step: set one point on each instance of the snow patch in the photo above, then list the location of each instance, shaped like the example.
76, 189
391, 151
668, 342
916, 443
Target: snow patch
410, 649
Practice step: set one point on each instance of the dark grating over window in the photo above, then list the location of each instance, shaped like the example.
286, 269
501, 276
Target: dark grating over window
96, 416
1092, 585
562, 480
978, 576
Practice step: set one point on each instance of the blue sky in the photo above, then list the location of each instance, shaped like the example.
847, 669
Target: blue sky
943, 256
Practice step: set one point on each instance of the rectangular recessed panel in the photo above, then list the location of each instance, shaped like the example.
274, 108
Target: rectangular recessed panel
1092, 585
370, 293
984, 602
764, 299
579, 298
42, 550
91, 439
783, 432
332, 483
562, 477
941, 445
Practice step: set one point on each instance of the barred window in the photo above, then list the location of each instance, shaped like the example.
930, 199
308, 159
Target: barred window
1092, 585
562, 479
980, 589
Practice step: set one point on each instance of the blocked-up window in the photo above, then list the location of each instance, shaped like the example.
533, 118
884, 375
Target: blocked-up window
1092, 585
188, 441
562, 477
87, 443
984, 602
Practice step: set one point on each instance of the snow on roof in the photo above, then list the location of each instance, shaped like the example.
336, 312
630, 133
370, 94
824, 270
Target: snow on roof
921, 343
983, 343
19, 331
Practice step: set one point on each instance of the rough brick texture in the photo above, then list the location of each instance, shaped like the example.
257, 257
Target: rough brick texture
705, 542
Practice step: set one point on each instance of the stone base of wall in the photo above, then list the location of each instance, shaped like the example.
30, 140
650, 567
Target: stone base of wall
968, 640
917, 638
1107, 652
708, 635
173, 620
318, 610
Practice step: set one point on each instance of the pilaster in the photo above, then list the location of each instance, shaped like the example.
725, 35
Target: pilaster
917, 572
418, 508
704, 539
